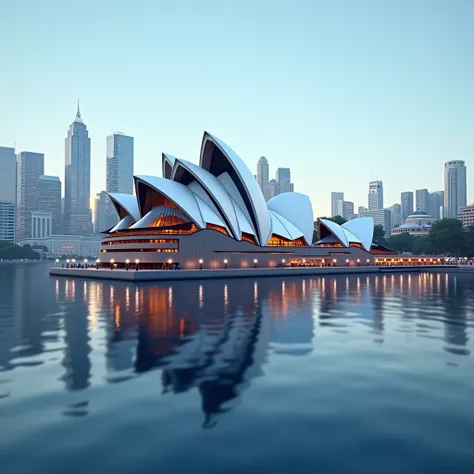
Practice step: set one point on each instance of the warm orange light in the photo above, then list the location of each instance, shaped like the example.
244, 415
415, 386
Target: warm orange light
137, 261
170, 260
255, 260
200, 260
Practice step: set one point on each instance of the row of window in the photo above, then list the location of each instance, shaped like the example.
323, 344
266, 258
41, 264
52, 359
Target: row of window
141, 241
140, 250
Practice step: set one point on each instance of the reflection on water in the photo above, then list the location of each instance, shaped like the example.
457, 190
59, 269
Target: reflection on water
215, 339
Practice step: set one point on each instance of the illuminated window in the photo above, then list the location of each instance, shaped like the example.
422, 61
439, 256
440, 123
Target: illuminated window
278, 241
217, 228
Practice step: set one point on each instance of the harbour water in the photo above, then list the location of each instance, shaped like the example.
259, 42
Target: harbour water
359, 374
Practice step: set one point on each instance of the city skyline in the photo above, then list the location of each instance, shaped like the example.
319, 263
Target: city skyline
378, 111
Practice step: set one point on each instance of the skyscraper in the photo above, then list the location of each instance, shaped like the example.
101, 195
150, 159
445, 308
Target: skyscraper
283, 179
7, 194
30, 168
49, 200
7, 221
396, 211
262, 175
271, 190
407, 204
7, 175
77, 212
381, 217
119, 171
347, 210
375, 195
435, 204
100, 221
422, 200
455, 187
335, 196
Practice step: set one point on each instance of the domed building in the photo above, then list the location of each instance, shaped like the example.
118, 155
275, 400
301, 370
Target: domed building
418, 224
214, 215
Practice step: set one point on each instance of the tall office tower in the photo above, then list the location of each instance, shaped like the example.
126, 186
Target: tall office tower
347, 210
407, 204
422, 200
375, 195
283, 178
7, 193
49, 200
100, 220
455, 188
381, 217
361, 209
119, 171
435, 204
7, 174
335, 196
77, 186
396, 210
7, 222
272, 189
262, 175
30, 168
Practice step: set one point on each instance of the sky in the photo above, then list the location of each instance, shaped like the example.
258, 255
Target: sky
342, 92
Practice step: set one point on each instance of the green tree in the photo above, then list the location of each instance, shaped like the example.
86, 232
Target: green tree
403, 242
448, 236
379, 235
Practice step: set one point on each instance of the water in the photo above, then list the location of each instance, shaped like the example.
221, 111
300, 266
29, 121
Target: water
359, 374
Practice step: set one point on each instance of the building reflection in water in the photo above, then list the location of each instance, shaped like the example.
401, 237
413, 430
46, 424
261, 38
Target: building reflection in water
215, 337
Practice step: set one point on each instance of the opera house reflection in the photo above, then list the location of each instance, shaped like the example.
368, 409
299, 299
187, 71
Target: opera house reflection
216, 337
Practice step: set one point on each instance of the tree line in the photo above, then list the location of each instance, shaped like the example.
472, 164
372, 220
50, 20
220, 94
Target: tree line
445, 237
9, 251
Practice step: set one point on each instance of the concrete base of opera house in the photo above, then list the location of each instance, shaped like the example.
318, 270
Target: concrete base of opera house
168, 275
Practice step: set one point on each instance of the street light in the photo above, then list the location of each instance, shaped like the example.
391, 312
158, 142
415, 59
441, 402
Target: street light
127, 261
283, 261
97, 263
358, 261
57, 260
347, 261
136, 264
255, 262
368, 261
112, 261
200, 263
67, 263
225, 263
334, 261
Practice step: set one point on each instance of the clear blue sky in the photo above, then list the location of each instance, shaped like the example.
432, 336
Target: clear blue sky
340, 91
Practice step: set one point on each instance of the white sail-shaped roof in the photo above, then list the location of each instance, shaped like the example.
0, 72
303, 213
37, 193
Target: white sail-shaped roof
177, 193
125, 204
214, 189
226, 160
297, 209
167, 163
363, 229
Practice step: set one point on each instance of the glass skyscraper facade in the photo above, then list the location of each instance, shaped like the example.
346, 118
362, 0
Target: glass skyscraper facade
30, 168
49, 200
455, 188
119, 177
77, 212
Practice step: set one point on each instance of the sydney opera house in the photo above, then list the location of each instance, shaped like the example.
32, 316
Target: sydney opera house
215, 216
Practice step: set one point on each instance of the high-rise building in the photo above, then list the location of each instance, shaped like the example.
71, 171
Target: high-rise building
77, 212
7, 174
262, 175
100, 220
41, 224
7, 193
49, 200
396, 211
283, 178
7, 222
407, 205
381, 217
119, 171
335, 196
466, 215
347, 210
375, 195
455, 187
361, 209
435, 205
422, 200
272, 189
30, 168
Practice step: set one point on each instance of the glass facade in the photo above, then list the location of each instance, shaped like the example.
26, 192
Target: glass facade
7, 222
49, 200
77, 212
119, 171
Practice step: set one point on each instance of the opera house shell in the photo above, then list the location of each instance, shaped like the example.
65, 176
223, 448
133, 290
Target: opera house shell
215, 216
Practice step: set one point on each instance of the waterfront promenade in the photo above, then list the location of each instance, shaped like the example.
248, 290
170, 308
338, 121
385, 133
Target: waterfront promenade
171, 275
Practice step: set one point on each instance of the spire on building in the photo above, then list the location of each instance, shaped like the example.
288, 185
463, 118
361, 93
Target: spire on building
78, 114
